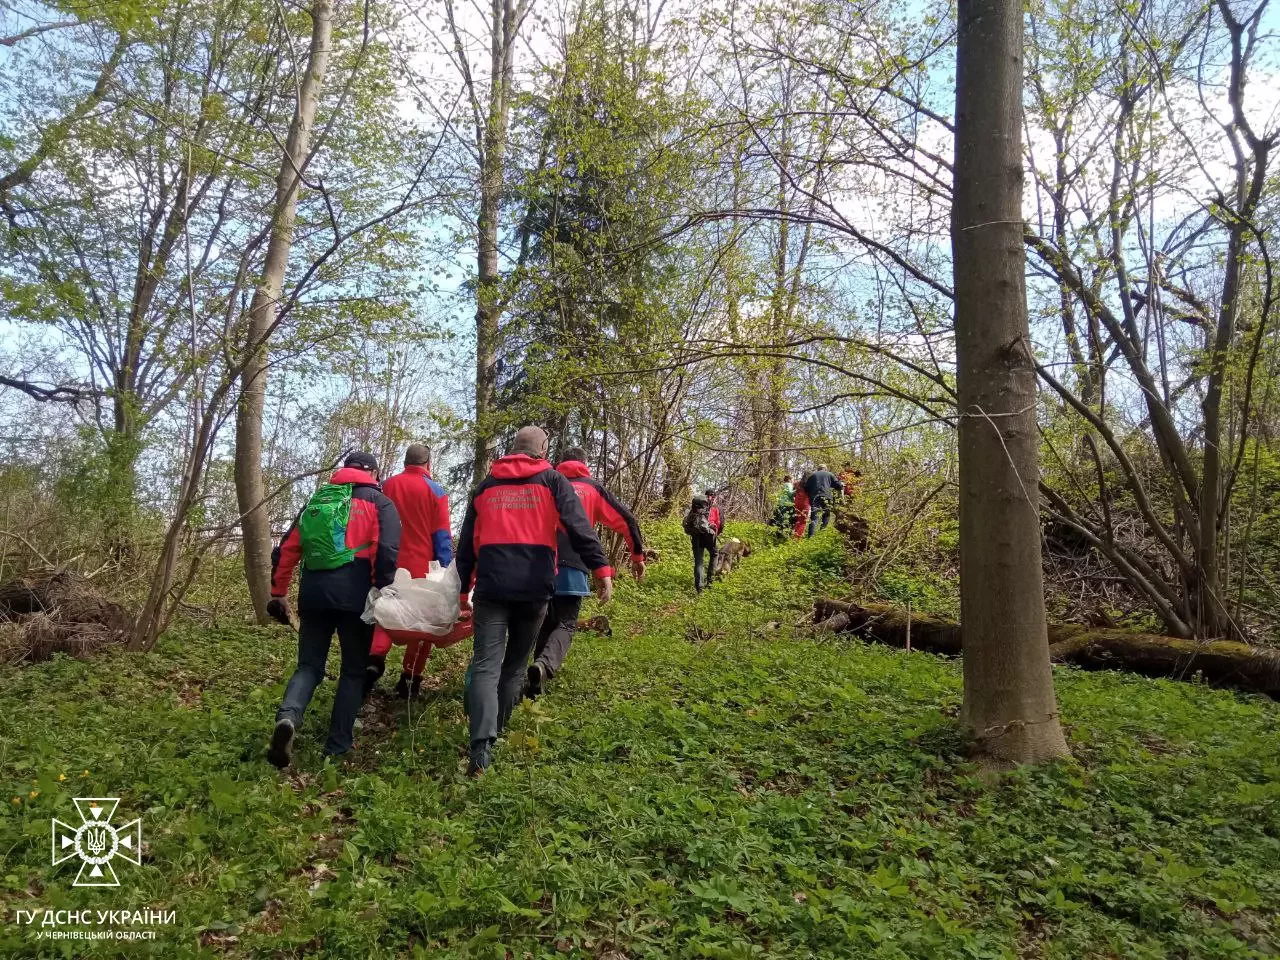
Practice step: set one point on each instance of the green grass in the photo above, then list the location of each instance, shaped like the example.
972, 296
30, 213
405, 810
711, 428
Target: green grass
705, 783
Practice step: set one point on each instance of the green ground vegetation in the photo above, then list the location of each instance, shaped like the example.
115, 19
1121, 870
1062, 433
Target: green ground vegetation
707, 782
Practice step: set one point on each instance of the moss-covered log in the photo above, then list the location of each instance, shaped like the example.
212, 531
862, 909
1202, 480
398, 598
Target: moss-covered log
882, 623
1221, 663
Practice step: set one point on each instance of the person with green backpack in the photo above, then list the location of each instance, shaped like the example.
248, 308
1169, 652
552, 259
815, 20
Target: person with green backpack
346, 539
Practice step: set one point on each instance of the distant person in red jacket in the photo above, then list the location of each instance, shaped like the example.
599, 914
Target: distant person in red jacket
703, 525
714, 513
561, 621
802, 508
347, 538
423, 506
507, 551
850, 479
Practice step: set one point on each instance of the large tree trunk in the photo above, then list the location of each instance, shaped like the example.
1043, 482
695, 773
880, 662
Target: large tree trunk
504, 25
487, 327
769, 474
1009, 704
250, 487
1210, 612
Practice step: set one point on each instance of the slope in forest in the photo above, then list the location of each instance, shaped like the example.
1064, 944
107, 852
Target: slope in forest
702, 784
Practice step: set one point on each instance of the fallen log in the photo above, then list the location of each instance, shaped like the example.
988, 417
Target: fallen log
1219, 663
61, 613
882, 623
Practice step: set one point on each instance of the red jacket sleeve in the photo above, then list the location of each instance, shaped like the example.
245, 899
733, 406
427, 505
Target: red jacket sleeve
284, 559
577, 525
715, 520
621, 521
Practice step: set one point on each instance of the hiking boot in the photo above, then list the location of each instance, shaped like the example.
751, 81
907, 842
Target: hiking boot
280, 752
408, 687
373, 673
535, 681
481, 759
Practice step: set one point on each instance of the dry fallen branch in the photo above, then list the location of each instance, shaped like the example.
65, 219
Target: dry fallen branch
57, 614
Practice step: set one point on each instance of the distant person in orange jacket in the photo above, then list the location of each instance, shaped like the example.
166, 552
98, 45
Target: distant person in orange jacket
423, 506
850, 479
802, 509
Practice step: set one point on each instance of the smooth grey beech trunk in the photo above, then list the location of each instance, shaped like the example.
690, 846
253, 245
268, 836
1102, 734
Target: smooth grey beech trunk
1009, 703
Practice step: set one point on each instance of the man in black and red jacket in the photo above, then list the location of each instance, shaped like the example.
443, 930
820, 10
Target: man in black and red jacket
561, 621
507, 551
334, 600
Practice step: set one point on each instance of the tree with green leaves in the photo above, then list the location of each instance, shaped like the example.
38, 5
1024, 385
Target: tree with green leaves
295, 158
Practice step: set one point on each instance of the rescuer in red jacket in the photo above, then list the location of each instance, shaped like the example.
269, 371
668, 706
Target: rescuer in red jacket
561, 620
802, 508
339, 565
423, 506
507, 551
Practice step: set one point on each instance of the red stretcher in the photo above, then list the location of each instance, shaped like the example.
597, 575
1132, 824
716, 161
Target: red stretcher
384, 638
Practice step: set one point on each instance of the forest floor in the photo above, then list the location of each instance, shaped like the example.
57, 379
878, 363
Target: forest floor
704, 783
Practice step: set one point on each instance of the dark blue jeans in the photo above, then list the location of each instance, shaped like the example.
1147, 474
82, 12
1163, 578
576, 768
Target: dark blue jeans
505, 633
820, 506
703, 546
315, 633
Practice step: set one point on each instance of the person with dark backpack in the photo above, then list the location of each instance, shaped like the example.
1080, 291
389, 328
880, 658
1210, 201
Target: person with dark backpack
700, 525
346, 538
822, 488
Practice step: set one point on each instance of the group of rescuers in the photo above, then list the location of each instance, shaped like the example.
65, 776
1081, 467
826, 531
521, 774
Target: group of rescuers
527, 545
805, 507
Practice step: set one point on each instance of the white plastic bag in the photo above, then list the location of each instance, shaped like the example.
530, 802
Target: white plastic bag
369, 601
424, 605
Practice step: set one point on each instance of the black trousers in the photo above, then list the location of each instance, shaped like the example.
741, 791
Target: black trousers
315, 634
504, 636
557, 633
821, 507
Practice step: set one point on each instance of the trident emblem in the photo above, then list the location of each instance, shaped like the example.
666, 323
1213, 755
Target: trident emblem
96, 842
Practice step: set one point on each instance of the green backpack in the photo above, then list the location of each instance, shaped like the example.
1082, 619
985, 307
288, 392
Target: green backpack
322, 528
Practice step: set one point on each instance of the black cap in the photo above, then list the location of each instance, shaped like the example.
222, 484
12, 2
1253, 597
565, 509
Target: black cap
362, 460
709, 492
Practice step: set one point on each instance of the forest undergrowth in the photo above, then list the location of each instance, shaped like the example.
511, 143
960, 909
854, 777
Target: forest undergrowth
706, 782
